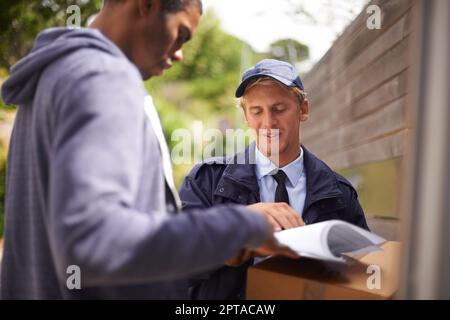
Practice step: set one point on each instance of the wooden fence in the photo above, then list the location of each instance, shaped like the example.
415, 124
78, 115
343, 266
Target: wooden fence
359, 109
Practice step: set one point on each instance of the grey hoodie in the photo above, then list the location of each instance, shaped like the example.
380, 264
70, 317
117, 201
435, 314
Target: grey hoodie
85, 184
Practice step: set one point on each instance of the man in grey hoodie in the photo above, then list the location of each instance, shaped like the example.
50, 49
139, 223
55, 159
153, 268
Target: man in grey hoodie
89, 188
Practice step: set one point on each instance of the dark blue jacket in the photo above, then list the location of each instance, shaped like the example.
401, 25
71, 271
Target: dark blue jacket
220, 181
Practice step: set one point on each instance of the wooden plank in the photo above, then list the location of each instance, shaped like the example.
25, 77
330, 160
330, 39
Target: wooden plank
382, 44
384, 122
355, 39
386, 147
331, 63
380, 96
375, 100
390, 64
374, 51
323, 120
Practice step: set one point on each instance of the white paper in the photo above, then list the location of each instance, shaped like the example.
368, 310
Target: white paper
329, 240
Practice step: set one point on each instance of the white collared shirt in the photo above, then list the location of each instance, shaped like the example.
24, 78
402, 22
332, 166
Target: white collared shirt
295, 184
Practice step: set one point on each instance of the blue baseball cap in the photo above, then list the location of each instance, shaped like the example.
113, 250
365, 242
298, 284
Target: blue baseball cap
279, 70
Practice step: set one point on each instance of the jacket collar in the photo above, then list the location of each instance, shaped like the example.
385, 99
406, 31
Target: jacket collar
240, 172
321, 183
265, 167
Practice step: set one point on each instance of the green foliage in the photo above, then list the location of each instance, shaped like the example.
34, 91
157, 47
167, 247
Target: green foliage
289, 50
4, 106
202, 86
22, 20
211, 65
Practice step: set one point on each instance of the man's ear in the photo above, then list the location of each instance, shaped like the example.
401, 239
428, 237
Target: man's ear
245, 115
304, 110
148, 7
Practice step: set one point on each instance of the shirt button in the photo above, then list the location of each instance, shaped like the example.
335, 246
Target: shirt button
221, 190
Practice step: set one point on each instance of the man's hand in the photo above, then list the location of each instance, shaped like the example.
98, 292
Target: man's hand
270, 248
273, 248
243, 256
279, 214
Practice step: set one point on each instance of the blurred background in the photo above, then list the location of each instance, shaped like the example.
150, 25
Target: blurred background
198, 93
378, 97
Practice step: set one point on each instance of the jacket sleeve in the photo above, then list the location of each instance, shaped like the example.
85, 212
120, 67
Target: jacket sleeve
196, 193
192, 195
95, 172
356, 212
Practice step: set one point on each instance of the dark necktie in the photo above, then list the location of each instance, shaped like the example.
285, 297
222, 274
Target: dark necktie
281, 194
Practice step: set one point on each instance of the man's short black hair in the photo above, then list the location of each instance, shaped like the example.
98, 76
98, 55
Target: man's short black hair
171, 6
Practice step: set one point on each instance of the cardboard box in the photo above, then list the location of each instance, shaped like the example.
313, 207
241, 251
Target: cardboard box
372, 276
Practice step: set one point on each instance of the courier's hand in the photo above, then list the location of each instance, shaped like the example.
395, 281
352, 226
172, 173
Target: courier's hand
243, 256
273, 248
279, 214
270, 248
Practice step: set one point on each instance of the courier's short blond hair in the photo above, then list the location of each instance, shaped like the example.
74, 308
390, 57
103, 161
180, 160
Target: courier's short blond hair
300, 94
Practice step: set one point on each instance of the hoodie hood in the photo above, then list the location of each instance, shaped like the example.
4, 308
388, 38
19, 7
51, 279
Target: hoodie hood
50, 45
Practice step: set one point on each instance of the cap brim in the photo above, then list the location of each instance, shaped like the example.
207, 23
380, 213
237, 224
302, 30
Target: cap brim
241, 89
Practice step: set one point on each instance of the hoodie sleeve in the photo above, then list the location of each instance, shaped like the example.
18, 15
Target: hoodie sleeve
97, 153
